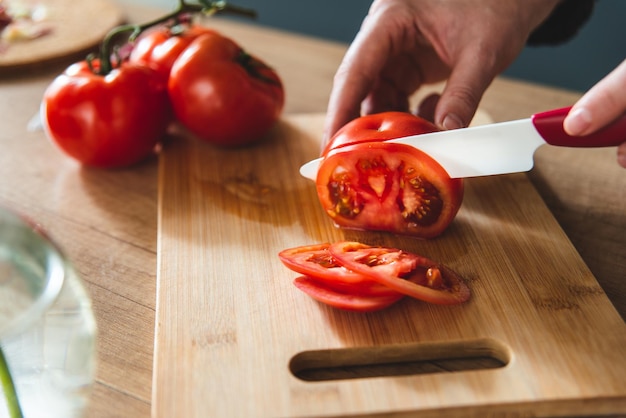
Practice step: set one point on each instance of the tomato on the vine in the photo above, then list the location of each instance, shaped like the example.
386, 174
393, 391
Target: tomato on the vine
160, 46
366, 182
111, 120
222, 94
112, 111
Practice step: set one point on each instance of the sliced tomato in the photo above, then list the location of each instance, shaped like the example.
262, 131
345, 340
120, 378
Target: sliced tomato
388, 187
430, 281
345, 300
365, 183
316, 262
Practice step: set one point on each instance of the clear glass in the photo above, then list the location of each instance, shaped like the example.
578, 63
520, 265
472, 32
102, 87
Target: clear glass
47, 327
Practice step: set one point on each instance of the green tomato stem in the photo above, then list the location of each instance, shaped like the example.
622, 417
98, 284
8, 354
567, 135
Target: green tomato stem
13, 403
206, 7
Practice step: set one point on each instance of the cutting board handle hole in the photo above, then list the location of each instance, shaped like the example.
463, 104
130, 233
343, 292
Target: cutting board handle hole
399, 360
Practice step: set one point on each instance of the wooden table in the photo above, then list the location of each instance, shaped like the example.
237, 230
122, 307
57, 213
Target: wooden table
107, 220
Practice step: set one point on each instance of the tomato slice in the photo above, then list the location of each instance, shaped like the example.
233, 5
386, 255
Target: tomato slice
316, 262
388, 187
430, 281
342, 300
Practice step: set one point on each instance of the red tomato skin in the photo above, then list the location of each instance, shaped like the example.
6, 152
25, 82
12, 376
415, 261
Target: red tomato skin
347, 301
379, 127
160, 47
217, 99
106, 121
380, 212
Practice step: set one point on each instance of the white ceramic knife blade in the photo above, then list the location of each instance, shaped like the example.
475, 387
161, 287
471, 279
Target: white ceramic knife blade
499, 148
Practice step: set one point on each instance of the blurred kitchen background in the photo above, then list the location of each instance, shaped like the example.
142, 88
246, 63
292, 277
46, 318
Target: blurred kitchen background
598, 48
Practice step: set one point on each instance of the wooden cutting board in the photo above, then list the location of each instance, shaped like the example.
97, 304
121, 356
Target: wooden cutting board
235, 338
76, 27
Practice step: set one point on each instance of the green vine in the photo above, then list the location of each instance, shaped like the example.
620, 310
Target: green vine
8, 388
181, 13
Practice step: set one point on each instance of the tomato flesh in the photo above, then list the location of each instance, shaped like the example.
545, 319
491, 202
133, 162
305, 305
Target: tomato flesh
316, 262
388, 187
431, 282
366, 182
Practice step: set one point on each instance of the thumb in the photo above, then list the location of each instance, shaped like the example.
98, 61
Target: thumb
463, 91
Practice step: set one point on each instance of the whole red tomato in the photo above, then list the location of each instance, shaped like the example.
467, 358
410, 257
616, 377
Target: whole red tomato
160, 46
222, 94
111, 120
367, 183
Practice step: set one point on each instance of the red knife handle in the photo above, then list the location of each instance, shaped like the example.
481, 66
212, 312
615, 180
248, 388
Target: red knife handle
550, 126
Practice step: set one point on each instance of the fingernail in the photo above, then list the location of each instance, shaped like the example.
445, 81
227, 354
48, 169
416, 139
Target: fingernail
577, 122
452, 121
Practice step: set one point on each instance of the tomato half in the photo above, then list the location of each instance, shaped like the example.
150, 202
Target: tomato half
430, 281
367, 183
345, 300
106, 121
379, 127
388, 187
222, 94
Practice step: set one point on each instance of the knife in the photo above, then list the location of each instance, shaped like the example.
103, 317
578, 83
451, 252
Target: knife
499, 148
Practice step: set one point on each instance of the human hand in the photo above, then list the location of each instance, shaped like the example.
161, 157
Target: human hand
404, 44
600, 106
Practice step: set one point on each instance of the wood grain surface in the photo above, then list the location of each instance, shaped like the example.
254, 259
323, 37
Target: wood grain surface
76, 27
233, 333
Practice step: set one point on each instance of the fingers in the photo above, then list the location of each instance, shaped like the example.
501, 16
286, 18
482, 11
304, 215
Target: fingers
463, 91
601, 105
356, 74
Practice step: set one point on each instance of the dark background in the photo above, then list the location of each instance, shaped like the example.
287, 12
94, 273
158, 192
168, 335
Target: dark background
598, 48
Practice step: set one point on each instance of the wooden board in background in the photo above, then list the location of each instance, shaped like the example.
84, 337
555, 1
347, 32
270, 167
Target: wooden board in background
229, 321
77, 27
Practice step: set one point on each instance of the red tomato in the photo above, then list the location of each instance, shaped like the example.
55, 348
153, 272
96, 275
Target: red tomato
161, 46
379, 127
314, 261
344, 299
364, 183
430, 281
222, 94
106, 121
388, 187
